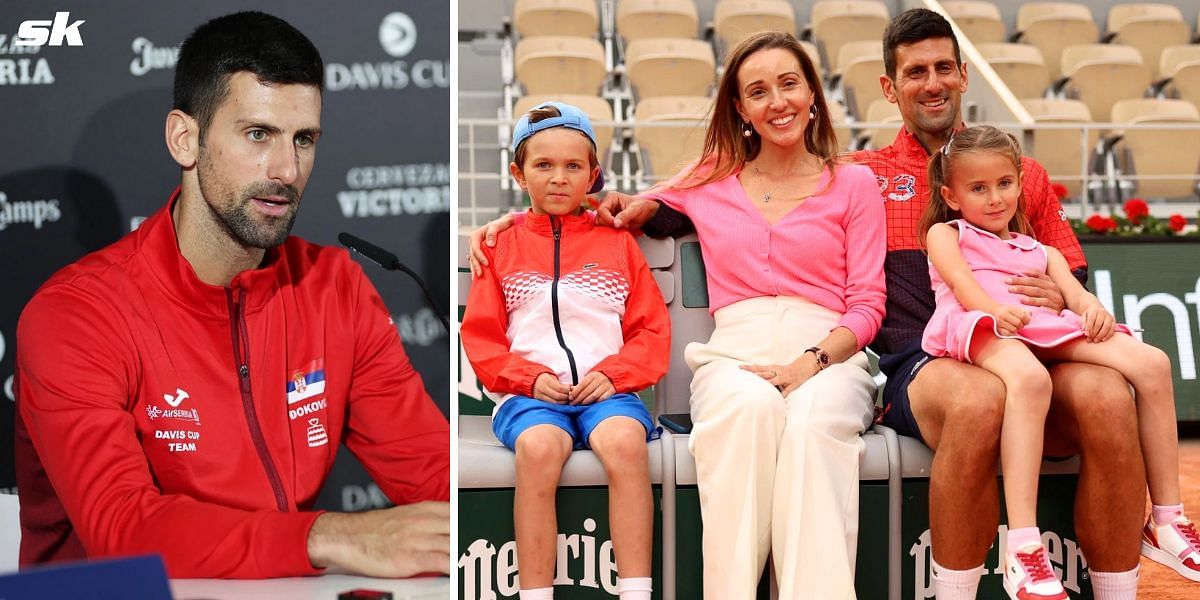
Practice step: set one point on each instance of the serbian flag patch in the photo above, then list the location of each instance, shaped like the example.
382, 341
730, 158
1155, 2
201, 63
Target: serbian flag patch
306, 382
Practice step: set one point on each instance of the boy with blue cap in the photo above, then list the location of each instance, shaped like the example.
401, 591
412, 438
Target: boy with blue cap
562, 328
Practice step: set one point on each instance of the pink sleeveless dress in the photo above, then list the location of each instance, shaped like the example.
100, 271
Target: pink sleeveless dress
992, 260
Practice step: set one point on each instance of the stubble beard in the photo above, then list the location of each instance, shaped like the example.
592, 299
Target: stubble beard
233, 209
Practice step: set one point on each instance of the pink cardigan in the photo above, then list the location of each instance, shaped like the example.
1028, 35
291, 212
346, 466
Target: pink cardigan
828, 250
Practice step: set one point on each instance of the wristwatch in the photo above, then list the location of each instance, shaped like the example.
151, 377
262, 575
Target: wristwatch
822, 357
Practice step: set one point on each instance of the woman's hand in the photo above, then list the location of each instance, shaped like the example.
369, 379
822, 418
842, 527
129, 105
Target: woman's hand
622, 211
486, 234
786, 378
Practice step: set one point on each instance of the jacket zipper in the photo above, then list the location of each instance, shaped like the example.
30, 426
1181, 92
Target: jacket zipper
556, 225
241, 355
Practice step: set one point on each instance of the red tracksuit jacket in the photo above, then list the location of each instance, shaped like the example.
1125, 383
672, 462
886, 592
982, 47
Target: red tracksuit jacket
157, 413
563, 296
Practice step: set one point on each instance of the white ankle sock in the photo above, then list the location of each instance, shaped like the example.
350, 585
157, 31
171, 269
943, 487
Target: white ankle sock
955, 585
1115, 586
546, 593
634, 588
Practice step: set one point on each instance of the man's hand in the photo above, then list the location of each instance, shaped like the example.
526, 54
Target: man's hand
622, 211
1010, 319
594, 387
1038, 289
401, 541
548, 388
485, 235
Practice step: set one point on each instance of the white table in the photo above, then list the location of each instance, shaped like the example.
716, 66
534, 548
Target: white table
325, 587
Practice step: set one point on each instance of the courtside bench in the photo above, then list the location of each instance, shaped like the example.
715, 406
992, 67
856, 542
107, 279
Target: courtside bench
893, 549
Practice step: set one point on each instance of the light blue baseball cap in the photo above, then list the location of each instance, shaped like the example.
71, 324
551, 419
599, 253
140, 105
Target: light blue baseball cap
571, 118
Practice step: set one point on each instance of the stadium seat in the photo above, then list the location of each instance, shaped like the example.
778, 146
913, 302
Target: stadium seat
736, 20
860, 64
815, 56
1052, 26
670, 67
979, 20
836, 22
666, 150
1059, 150
595, 107
1020, 66
560, 65
1159, 152
1101, 74
841, 127
577, 18
1181, 65
1147, 27
637, 19
882, 111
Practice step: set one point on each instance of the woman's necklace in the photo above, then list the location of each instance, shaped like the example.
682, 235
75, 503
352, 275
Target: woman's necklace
766, 197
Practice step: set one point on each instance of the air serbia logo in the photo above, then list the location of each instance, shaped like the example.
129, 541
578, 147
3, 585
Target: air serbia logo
307, 382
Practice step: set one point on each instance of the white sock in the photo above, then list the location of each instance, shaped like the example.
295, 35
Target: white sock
955, 585
1115, 586
634, 588
546, 593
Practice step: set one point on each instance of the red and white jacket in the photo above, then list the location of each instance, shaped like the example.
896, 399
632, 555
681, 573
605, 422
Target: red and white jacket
566, 297
157, 413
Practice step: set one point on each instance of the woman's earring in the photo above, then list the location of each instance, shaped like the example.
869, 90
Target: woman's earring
747, 130
812, 111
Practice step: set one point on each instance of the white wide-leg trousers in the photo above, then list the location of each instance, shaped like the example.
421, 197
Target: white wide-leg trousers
776, 474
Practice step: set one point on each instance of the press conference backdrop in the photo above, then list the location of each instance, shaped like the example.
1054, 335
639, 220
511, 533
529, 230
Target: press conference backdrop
82, 157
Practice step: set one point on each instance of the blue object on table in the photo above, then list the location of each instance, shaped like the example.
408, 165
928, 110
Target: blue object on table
141, 577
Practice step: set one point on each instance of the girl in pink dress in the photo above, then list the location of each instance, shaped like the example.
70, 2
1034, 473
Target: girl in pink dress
976, 237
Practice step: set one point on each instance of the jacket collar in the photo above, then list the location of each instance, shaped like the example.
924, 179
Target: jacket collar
911, 146
158, 246
544, 224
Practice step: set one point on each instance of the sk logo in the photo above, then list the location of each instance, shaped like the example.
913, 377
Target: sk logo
177, 399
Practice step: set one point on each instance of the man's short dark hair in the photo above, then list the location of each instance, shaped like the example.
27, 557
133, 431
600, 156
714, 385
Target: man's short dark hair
267, 46
910, 27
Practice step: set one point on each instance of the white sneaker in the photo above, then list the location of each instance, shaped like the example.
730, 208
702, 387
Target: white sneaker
1176, 545
1029, 576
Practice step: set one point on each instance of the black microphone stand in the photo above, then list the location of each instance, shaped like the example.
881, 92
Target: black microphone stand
388, 261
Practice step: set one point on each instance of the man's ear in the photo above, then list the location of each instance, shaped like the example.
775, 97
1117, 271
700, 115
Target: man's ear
183, 138
889, 88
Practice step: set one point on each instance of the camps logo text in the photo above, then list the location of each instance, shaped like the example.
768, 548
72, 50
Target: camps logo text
35, 212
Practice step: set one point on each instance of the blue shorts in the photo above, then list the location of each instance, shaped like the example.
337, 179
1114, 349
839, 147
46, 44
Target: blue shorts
519, 413
901, 368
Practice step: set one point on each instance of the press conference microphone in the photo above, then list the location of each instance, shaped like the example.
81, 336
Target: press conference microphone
389, 261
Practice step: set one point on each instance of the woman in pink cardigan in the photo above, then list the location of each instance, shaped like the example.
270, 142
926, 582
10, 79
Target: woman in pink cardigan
793, 247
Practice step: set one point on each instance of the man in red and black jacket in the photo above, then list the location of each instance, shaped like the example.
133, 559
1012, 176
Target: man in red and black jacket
184, 390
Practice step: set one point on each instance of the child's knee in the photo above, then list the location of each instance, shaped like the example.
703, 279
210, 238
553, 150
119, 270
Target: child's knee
1029, 383
620, 443
542, 446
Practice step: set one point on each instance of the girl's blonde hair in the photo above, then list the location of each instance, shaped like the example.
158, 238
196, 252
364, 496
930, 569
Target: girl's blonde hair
725, 148
979, 138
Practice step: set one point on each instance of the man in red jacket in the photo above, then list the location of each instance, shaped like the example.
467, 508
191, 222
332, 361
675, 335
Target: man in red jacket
184, 390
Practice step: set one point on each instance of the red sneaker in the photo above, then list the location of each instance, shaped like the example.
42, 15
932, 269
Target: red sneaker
1176, 545
1029, 576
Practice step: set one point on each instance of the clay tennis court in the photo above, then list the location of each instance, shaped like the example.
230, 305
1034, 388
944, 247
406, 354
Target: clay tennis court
1159, 582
